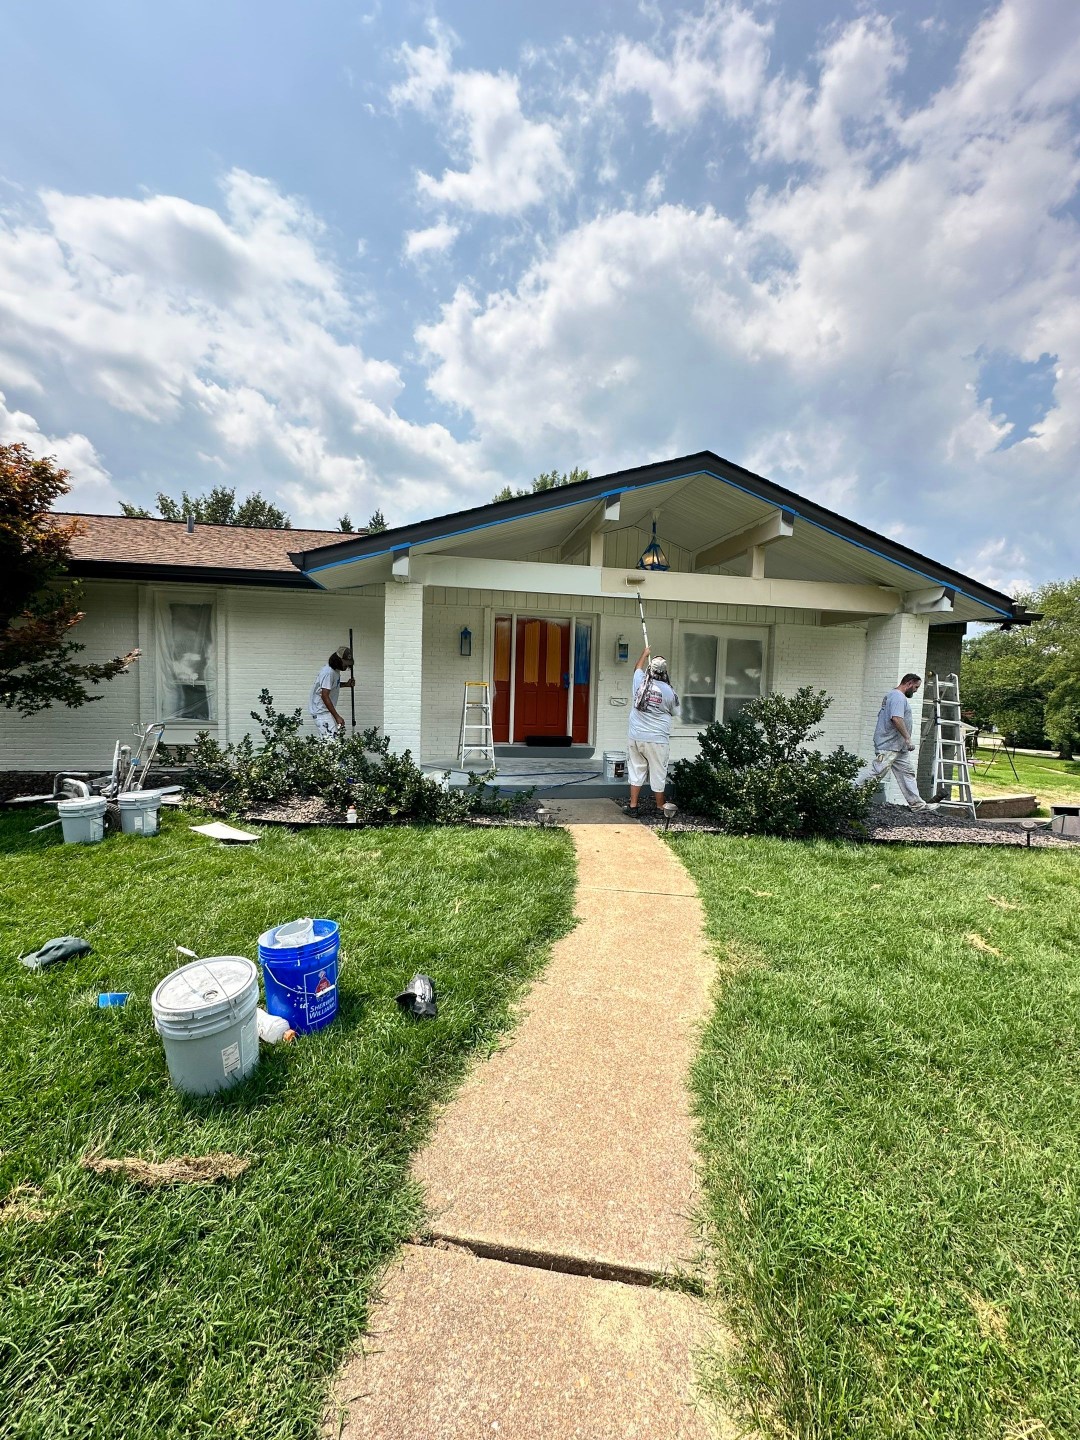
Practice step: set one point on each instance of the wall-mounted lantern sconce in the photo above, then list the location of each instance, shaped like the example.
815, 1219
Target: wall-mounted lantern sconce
465, 641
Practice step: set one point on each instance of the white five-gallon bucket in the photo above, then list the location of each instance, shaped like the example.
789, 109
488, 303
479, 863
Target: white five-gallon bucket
615, 764
205, 1015
83, 820
139, 811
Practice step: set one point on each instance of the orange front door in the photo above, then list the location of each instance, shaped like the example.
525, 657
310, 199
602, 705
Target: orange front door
541, 678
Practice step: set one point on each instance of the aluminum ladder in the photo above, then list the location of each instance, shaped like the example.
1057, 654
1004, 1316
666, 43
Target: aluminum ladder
951, 768
476, 735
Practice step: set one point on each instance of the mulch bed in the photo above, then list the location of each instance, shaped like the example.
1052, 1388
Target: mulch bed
897, 825
302, 812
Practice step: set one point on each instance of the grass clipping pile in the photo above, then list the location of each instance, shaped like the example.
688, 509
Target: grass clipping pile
183, 1170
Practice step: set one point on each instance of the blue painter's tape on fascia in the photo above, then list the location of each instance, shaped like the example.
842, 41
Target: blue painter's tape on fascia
625, 489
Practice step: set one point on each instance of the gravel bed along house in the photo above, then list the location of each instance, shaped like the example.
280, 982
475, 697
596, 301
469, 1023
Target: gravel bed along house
897, 825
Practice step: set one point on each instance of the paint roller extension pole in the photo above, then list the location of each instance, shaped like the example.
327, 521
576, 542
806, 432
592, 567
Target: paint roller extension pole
352, 677
633, 580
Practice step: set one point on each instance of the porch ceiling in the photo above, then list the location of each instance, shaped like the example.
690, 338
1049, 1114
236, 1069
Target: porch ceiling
695, 508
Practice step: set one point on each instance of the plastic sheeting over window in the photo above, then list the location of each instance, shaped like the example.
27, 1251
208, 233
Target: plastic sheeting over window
582, 653
187, 675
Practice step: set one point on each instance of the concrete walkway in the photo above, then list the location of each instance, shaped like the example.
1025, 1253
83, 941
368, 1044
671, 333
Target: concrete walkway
561, 1180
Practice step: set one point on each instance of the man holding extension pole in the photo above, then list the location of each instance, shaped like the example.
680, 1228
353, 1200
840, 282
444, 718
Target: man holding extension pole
649, 731
324, 693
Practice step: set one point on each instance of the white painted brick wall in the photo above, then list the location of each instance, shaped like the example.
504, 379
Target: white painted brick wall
280, 639
403, 632
446, 670
271, 638
830, 659
894, 646
83, 739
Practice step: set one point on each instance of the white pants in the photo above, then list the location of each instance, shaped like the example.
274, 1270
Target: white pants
647, 758
326, 725
899, 762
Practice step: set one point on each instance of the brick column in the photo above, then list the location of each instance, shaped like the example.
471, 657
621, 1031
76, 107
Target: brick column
894, 646
403, 643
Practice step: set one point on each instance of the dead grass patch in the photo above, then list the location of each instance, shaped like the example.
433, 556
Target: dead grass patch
183, 1170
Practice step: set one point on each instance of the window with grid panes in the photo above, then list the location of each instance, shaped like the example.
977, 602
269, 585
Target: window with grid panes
718, 673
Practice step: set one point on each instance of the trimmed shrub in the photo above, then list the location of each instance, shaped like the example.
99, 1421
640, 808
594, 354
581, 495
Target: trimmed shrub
353, 768
756, 774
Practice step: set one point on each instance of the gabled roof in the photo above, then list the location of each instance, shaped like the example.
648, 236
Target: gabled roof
117, 546
700, 498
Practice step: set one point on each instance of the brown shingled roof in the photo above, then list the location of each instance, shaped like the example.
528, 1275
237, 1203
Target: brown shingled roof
118, 545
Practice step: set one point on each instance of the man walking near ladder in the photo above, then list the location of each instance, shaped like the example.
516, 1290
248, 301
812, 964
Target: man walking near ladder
893, 743
324, 693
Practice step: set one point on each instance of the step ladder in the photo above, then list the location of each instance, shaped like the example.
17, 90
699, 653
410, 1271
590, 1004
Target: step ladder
476, 739
951, 768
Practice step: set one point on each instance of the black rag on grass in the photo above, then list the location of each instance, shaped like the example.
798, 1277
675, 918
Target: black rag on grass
418, 998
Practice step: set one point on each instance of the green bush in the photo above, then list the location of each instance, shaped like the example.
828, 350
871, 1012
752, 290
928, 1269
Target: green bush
355, 768
756, 774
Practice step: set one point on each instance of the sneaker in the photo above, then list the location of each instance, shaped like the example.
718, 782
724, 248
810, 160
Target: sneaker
631, 810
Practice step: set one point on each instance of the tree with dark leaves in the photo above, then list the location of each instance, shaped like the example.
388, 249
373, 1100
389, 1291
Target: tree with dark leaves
38, 607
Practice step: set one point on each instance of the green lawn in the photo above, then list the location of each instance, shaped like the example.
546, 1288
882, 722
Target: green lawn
890, 1126
222, 1311
1052, 781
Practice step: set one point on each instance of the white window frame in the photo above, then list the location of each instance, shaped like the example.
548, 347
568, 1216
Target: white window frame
723, 633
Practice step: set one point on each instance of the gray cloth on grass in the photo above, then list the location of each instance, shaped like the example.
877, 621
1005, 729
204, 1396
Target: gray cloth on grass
65, 947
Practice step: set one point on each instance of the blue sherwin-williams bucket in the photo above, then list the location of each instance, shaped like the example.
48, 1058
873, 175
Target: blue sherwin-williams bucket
301, 982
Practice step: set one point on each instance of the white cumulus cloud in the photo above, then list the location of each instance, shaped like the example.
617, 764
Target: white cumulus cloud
513, 162
233, 330
435, 240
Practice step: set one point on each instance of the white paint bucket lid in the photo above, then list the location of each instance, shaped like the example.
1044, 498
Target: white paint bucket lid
84, 805
205, 988
139, 800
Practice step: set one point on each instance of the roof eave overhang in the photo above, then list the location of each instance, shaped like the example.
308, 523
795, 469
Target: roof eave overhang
189, 574
1003, 608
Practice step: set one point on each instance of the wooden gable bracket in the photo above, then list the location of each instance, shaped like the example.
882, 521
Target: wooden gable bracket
780, 525
938, 601
590, 531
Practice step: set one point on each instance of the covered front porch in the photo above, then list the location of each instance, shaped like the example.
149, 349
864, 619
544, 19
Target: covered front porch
537, 598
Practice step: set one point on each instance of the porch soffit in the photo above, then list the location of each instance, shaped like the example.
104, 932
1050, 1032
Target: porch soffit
693, 512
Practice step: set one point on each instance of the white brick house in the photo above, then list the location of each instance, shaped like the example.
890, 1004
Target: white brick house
764, 591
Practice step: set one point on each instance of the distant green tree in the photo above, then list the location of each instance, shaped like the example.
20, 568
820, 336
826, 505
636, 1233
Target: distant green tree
1026, 681
345, 524
546, 480
219, 507
377, 524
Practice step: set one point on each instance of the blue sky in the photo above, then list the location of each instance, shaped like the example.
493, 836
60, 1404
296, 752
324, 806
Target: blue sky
365, 256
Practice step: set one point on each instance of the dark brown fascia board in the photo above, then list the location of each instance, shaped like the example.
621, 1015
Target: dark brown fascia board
188, 574
704, 462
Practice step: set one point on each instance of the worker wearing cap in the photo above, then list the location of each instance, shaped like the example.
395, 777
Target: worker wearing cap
649, 731
324, 693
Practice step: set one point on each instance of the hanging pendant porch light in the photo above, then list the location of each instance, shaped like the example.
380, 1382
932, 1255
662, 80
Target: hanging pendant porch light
653, 557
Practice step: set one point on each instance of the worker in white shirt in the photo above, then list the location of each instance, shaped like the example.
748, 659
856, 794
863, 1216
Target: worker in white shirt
324, 693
